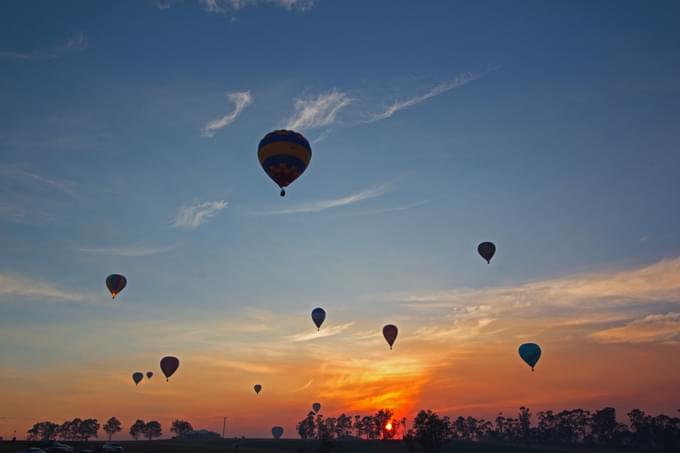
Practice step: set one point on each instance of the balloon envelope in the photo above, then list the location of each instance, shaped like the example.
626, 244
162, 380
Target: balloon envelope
257, 388
318, 316
487, 250
316, 407
115, 283
390, 332
530, 353
137, 377
149, 374
284, 156
169, 365
277, 432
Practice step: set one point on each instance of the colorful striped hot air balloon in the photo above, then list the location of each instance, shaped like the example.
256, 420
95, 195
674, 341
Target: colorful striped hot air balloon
284, 156
115, 283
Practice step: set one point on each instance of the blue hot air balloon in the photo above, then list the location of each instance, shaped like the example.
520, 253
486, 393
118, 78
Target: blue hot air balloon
530, 353
284, 156
277, 432
137, 377
318, 316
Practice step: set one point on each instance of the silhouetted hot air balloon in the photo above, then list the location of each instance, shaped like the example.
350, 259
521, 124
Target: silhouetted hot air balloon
318, 316
390, 332
137, 377
168, 366
149, 374
530, 353
316, 407
277, 432
257, 388
487, 250
115, 283
284, 156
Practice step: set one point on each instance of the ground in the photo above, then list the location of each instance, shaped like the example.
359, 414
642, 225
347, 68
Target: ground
298, 446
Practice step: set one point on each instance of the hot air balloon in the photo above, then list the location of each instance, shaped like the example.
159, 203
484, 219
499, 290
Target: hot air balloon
530, 353
137, 377
115, 283
316, 407
149, 374
277, 432
390, 332
318, 316
284, 156
168, 366
487, 250
257, 388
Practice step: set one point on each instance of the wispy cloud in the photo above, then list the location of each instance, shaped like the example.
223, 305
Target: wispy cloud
405, 207
226, 6
606, 306
657, 282
241, 100
437, 90
304, 387
67, 187
126, 251
77, 43
323, 205
323, 333
654, 328
191, 217
320, 111
14, 285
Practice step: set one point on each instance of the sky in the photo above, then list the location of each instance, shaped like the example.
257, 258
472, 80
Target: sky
128, 144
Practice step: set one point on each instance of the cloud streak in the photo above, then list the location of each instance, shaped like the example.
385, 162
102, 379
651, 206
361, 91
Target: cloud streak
77, 43
323, 205
226, 6
654, 328
191, 217
325, 332
240, 99
13, 285
126, 251
437, 90
316, 112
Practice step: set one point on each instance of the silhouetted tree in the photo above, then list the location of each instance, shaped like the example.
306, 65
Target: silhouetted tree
524, 424
111, 427
307, 428
43, 431
431, 431
343, 426
152, 429
181, 427
137, 429
88, 428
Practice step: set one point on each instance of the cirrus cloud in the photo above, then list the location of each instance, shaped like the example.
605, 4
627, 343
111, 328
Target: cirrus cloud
191, 217
241, 100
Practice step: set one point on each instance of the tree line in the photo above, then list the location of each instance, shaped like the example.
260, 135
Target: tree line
568, 427
85, 429
381, 425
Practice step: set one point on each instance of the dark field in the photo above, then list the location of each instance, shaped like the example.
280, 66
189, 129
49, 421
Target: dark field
297, 446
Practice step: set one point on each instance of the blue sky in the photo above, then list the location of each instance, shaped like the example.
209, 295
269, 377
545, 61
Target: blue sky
549, 128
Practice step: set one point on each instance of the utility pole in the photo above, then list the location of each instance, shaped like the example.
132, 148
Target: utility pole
224, 426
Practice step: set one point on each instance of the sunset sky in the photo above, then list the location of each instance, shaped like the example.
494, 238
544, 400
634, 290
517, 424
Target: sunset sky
128, 144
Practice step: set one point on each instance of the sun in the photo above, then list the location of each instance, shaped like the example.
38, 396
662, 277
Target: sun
388, 426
